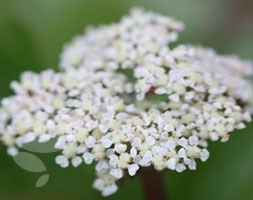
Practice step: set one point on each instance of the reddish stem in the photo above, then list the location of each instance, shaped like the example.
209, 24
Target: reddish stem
152, 185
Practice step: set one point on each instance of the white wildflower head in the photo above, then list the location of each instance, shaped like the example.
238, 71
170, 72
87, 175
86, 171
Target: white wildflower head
126, 100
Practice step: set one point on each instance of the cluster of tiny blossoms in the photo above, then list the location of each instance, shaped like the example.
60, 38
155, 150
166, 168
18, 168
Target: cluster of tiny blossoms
125, 100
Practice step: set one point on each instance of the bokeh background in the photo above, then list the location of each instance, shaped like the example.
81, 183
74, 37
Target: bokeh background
32, 33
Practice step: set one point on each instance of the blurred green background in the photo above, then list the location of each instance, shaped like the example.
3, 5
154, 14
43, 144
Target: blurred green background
32, 33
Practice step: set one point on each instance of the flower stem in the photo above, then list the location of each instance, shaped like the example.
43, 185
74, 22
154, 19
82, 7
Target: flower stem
152, 185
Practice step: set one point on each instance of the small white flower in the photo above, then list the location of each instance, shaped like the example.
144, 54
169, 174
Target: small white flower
147, 158
103, 128
193, 140
44, 138
81, 149
88, 158
169, 128
102, 165
183, 142
170, 144
132, 169
60, 143
90, 142
136, 142
192, 165
180, 167
106, 142
109, 190
12, 151
133, 152
174, 97
99, 184
76, 161
181, 153
62, 161
150, 140
171, 163
204, 155
117, 173
120, 148
113, 160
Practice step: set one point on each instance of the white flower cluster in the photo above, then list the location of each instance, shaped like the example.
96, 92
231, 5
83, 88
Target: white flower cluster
126, 44
127, 101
